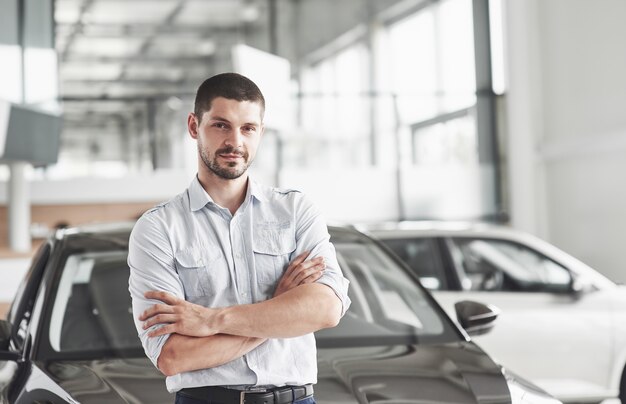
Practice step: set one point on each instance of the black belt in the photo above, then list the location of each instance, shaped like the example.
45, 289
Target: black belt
222, 395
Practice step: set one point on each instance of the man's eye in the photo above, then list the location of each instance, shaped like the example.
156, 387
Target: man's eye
249, 129
220, 125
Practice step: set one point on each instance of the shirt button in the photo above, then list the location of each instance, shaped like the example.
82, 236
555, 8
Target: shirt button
238, 256
244, 294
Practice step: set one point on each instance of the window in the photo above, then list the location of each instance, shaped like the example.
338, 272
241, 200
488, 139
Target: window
92, 308
335, 110
497, 265
422, 255
386, 301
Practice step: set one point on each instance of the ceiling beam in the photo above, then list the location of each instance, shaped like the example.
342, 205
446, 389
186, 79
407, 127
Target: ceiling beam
143, 50
76, 28
172, 60
124, 80
100, 30
129, 98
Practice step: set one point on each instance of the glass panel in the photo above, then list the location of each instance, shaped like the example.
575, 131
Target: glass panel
335, 108
433, 69
456, 47
450, 142
497, 265
421, 254
41, 77
10, 73
384, 295
92, 309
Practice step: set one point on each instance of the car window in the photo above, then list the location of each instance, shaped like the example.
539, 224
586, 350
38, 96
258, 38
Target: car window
92, 309
499, 265
387, 303
20, 312
422, 255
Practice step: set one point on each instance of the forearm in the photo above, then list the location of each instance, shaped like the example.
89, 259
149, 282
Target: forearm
184, 354
299, 311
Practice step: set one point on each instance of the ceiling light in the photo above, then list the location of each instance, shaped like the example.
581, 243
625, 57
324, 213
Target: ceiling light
249, 13
174, 103
206, 48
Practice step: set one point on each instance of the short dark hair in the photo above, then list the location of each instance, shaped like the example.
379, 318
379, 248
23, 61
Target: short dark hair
232, 86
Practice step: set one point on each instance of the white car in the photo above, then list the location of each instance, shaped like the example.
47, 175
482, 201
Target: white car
562, 324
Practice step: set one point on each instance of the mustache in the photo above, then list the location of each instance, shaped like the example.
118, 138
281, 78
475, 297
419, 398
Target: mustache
231, 150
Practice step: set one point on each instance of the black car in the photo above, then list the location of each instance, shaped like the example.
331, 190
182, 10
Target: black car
70, 335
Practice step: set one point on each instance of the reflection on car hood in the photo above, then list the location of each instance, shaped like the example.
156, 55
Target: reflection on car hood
450, 373
111, 381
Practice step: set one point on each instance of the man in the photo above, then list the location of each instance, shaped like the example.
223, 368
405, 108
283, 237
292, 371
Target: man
218, 306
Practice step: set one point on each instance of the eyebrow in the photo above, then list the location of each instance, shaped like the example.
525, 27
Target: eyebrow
220, 119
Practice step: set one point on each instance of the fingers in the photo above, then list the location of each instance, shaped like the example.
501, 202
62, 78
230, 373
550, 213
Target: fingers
312, 278
159, 319
154, 310
303, 266
166, 329
297, 261
165, 297
308, 271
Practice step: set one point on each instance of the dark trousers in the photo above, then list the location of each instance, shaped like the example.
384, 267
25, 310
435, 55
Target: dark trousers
181, 399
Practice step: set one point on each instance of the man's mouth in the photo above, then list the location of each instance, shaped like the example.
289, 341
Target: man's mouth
229, 156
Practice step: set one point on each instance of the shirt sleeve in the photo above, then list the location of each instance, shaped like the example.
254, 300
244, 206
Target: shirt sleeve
312, 235
151, 263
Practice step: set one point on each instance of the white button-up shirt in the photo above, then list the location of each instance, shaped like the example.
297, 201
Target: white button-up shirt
193, 248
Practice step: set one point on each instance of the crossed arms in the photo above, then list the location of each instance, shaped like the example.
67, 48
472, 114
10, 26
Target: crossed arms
202, 337
179, 336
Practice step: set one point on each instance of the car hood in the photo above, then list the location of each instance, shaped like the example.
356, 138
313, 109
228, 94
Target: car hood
448, 373
132, 380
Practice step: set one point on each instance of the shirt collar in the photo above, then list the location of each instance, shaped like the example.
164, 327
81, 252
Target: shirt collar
255, 190
198, 197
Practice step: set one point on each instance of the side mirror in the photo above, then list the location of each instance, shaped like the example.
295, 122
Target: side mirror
476, 318
5, 337
430, 282
580, 286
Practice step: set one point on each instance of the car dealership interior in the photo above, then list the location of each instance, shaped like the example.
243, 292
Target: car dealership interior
466, 155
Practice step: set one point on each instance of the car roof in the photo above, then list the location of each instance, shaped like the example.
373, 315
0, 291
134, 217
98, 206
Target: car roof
403, 229
121, 231
434, 228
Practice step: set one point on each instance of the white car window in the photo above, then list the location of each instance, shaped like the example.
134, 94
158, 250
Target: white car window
498, 265
422, 255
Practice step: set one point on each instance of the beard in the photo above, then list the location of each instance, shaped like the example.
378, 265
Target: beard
229, 172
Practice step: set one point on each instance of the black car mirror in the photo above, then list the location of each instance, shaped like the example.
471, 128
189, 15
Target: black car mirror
5, 337
476, 318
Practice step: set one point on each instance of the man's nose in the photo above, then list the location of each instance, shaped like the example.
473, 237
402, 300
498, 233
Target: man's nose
234, 138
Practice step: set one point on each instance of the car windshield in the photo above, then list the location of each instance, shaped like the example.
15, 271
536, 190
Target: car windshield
92, 308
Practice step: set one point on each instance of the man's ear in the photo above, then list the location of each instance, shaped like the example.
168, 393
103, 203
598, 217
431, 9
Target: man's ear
192, 125
262, 130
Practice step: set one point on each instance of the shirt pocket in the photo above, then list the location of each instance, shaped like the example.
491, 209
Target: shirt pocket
194, 266
272, 244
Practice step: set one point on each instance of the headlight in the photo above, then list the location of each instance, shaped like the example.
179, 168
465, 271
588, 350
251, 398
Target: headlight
525, 392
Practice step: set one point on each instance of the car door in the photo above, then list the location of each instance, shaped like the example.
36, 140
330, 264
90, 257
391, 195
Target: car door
558, 338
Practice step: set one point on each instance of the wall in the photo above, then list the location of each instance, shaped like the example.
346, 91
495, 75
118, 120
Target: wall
567, 121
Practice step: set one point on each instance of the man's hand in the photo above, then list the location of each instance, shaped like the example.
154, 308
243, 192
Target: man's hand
180, 316
300, 272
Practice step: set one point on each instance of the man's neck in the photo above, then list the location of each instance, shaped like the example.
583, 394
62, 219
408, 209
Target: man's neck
229, 194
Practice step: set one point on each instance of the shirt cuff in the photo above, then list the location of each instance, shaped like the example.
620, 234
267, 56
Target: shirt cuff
340, 287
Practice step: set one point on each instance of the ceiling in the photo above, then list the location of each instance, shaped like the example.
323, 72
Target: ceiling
114, 55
